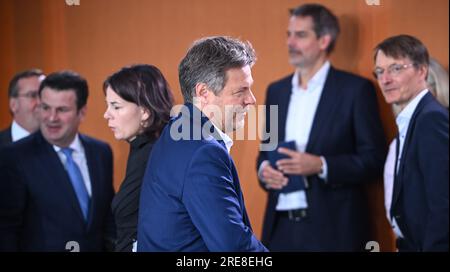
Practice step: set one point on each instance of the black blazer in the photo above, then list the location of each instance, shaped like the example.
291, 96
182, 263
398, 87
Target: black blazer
347, 131
5, 137
126, 202
420, 196
39, 209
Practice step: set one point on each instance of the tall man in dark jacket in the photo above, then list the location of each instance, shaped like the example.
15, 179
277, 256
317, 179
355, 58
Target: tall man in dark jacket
332, 116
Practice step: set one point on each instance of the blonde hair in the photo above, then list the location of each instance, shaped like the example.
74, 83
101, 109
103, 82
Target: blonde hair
437, 82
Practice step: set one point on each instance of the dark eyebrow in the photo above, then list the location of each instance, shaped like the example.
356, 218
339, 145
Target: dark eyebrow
63, 108
296, 32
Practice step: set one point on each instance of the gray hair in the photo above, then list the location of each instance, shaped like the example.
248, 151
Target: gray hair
437, 82
13, 89
208, 60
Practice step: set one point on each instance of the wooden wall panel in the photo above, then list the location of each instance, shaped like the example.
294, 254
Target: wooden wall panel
7, 57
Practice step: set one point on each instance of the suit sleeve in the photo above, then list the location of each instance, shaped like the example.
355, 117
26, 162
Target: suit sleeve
366, 162
433, 162
109, 231
211, 199
12, 203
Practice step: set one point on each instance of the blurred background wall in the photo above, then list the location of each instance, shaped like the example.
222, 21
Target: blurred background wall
98, 37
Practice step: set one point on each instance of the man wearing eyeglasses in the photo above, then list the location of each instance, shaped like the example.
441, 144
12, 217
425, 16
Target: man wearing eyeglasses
23, 105
418, 187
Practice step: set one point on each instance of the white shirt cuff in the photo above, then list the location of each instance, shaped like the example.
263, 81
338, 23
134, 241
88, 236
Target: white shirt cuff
324, 174
261, 166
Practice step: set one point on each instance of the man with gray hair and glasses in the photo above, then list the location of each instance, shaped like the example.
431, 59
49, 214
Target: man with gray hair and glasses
418, 186
191, 199
23, 105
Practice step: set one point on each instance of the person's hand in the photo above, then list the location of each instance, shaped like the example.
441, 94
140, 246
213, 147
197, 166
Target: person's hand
299, 163
272, 178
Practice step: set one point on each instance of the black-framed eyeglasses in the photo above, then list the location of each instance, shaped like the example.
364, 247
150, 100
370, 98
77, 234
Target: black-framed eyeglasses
30, 95
393, 70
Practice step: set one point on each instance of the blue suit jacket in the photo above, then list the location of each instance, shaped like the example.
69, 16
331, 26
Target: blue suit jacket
347, 131
420, 196
39, 210
191, 199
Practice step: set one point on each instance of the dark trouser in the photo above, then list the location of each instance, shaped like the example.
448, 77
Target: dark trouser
403, 245
300, 231
288, 233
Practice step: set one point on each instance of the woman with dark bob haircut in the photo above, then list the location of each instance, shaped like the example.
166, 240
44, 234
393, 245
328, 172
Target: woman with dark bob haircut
139, 101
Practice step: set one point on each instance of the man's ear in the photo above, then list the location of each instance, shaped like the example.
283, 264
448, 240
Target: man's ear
13, 105
82, 112
423, 71
201, 94
324, 41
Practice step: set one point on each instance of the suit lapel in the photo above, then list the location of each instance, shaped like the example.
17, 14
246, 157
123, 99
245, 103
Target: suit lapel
58, 173
398, 179
92, 164
327, 103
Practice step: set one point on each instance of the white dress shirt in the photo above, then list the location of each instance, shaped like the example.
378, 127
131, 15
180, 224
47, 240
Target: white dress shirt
79, 157
300, 117
18, 132
226, 139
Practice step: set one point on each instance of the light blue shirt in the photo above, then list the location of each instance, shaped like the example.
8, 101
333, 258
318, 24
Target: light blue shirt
18, 132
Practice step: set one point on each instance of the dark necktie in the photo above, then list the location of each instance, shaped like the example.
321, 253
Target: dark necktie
77, 181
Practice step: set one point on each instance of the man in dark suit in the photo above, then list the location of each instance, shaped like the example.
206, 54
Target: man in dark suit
332, 117
419, 206
191, 199
56, 184
23, 105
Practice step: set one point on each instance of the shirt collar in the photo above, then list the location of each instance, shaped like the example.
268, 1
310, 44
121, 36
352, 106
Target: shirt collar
405, 115
18, 132
318, 79
75, 145
226, 139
